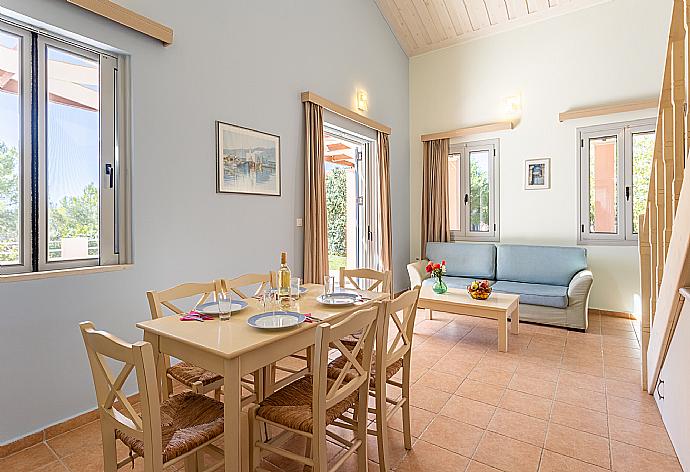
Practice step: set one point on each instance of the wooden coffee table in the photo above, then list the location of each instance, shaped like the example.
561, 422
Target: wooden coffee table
499, 306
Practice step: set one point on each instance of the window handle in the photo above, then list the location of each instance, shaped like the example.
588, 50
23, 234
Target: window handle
111, 172
627, 194
466, 199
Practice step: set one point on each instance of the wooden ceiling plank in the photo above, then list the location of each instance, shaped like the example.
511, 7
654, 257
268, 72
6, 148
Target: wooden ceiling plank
459, 16
537, 5
394, 18
414, 22
422, 7
479, 16
498, 12
517, 8
440, 14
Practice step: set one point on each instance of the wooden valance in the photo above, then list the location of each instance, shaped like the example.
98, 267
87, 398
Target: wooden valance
608, 109
128, 18
346, 112
460, 132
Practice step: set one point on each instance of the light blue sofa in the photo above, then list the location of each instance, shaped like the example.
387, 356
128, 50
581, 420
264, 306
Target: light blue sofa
553, 282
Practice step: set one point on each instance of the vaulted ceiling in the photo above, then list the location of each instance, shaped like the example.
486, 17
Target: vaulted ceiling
424, 25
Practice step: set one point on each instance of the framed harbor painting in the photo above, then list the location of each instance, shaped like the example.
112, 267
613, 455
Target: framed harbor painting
248, 161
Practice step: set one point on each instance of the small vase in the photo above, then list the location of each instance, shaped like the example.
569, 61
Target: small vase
440, 287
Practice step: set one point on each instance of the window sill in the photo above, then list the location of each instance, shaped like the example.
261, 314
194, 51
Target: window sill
48, 274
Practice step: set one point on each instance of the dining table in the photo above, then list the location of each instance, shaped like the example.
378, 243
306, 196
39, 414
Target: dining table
234, 349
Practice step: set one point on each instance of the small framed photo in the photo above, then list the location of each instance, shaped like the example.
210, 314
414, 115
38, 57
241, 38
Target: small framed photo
248, 161
538, 174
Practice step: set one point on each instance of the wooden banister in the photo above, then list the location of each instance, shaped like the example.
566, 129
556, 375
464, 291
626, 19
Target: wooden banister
664, 238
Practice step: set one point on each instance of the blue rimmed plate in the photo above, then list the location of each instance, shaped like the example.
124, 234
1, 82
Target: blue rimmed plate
276, 320
211, 308
339, 299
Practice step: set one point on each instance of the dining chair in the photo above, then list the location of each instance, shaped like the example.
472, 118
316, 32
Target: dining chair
393, 353
376, 281
180, 428
199, 380
260, 282
307, 406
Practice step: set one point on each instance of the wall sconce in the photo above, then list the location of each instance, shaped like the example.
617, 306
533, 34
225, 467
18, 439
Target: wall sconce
362, 100
512, 106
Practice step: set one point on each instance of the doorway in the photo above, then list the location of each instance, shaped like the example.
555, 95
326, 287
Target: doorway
352, 200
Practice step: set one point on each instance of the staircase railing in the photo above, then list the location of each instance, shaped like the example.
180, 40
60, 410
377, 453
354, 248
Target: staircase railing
664, 239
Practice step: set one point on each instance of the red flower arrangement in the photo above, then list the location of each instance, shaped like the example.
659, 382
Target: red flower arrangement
435, 269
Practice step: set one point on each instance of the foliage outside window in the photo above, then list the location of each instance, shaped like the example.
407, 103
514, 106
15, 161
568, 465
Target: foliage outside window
59, 167
336, 217
473, 190
615, 166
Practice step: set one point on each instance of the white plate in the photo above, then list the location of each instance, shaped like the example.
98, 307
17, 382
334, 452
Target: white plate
211, 308
276, 320
339, 299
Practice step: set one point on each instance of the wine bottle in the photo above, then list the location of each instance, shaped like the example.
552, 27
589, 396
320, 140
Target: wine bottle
284, 275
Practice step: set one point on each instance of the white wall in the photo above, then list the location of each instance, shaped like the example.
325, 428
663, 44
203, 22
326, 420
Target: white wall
238, 61
609, 53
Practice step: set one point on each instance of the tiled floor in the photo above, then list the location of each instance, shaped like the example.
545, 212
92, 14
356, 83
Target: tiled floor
559, 401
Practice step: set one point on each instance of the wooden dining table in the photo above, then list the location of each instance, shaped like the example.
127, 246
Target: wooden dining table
234, 349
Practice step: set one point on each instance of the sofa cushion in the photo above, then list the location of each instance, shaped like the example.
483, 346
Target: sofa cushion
477, 261
535, 294
452, 282
547, 265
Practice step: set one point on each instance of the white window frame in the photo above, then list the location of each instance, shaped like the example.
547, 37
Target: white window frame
114, 202
624, 132
463, 151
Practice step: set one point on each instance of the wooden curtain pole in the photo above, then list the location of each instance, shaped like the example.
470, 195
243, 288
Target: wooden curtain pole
128, 18
346, 112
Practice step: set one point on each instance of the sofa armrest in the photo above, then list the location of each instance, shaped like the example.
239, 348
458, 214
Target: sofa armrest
580, 285
417, 272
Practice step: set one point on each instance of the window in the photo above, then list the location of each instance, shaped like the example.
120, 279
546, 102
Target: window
615, 165
59, 159
473, 191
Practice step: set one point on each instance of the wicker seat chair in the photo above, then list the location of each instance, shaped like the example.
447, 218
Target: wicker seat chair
393, 353
307, 406
195, 378
180, 428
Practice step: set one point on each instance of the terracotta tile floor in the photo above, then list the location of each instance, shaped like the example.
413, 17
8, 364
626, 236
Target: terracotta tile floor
557, 401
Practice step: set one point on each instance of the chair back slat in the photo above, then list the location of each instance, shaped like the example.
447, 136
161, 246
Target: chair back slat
165, 298
402, 311
238, 283
357, 367
113, 403
366, 279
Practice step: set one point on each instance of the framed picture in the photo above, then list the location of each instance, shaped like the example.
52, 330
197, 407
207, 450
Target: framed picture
248, 161
538, 174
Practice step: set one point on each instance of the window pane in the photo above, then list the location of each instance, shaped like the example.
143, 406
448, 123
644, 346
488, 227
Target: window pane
454, 191
643, 152
479, 191
73, 135
10, 147
603, 185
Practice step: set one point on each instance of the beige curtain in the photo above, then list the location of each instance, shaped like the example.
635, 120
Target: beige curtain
435, 217
315, 227
385, 189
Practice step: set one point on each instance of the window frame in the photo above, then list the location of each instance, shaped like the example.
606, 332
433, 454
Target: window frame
464, 150
114, 149
624, 132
